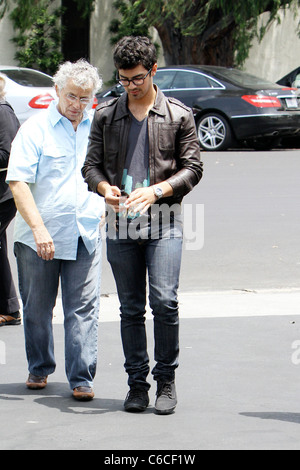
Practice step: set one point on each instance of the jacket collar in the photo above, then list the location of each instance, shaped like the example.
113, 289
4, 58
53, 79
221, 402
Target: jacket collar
160, 103
158, 108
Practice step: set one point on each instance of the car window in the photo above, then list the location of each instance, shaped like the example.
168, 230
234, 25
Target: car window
28, 78
214, 84
245, 79
164, 78
185, 79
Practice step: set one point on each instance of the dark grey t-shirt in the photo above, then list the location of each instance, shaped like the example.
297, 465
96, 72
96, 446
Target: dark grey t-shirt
136, 171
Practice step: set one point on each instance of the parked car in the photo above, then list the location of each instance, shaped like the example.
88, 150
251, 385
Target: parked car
230, 107
292, 79
28, 91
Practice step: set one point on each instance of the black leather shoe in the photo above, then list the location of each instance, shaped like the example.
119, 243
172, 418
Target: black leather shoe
166, 400
136, 401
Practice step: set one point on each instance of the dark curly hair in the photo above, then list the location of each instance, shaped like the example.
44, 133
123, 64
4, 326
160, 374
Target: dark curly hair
131, 51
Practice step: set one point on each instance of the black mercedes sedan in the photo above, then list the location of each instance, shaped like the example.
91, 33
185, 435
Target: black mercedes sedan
231, 107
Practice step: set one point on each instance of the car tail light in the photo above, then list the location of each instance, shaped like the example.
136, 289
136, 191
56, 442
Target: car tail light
95, 103
41, 101
261, 101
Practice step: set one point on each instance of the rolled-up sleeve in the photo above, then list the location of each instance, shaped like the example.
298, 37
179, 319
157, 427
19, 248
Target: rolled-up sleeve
24, 158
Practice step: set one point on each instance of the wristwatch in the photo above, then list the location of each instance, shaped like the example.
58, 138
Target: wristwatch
158, 192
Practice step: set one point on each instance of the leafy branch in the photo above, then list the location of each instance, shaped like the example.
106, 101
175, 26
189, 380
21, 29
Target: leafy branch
219, 32
38, 30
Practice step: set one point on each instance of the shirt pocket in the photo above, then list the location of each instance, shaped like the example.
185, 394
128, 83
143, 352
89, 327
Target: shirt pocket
56, 158
167, 136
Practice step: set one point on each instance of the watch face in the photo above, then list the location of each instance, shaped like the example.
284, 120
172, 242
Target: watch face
158, 192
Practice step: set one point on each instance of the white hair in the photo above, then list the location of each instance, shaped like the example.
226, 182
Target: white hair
83, 74
2, 85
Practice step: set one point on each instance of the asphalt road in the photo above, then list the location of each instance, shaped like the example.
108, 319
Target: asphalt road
238, 382
249, 236
237, 388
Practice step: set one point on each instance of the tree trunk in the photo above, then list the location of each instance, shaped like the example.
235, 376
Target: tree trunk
214, 47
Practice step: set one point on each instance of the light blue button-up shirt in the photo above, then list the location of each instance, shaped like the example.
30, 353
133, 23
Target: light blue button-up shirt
48, 154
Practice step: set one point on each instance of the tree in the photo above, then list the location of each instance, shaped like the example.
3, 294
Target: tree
4, 6
215, 32
131, 20
38, 38
37, 24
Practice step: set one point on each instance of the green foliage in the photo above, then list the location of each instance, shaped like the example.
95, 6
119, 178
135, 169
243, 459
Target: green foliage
39, 35
214, 27
132, 23
208, 21
85, 7
38, 30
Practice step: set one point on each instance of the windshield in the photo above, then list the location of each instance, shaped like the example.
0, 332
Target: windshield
245, 79
29, 78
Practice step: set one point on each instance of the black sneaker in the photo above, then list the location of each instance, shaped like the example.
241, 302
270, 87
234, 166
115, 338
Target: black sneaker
136, 401
166, 400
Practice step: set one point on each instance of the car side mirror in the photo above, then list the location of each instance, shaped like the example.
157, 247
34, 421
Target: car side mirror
117, 91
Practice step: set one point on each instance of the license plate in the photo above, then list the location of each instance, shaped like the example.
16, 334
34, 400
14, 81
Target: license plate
291, 102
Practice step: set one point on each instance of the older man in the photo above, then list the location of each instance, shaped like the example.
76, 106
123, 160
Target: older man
57, 231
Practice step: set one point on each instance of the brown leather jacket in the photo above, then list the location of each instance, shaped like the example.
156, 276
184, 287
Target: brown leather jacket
174, 152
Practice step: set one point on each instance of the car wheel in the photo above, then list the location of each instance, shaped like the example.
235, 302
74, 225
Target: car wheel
214, 132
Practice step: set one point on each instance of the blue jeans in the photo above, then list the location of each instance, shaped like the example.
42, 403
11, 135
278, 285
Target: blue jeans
80, 286
130, 261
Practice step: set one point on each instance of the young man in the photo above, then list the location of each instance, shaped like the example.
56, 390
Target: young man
57, 231
144, 145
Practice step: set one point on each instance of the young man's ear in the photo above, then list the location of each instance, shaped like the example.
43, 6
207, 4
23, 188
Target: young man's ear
154, 70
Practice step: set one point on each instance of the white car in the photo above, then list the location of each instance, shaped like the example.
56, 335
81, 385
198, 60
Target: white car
27, 91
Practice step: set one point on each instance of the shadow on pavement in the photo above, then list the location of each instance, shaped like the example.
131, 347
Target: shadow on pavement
277, 416
58, 396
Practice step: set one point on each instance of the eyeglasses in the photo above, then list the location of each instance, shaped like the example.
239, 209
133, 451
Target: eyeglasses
136, 81
73, 99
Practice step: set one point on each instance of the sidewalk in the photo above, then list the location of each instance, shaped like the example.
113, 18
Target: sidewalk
235, 303
238, 383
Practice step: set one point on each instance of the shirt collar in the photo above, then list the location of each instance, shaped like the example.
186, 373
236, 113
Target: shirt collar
55, 115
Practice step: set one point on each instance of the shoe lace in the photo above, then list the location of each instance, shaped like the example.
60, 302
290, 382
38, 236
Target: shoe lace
165, 390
